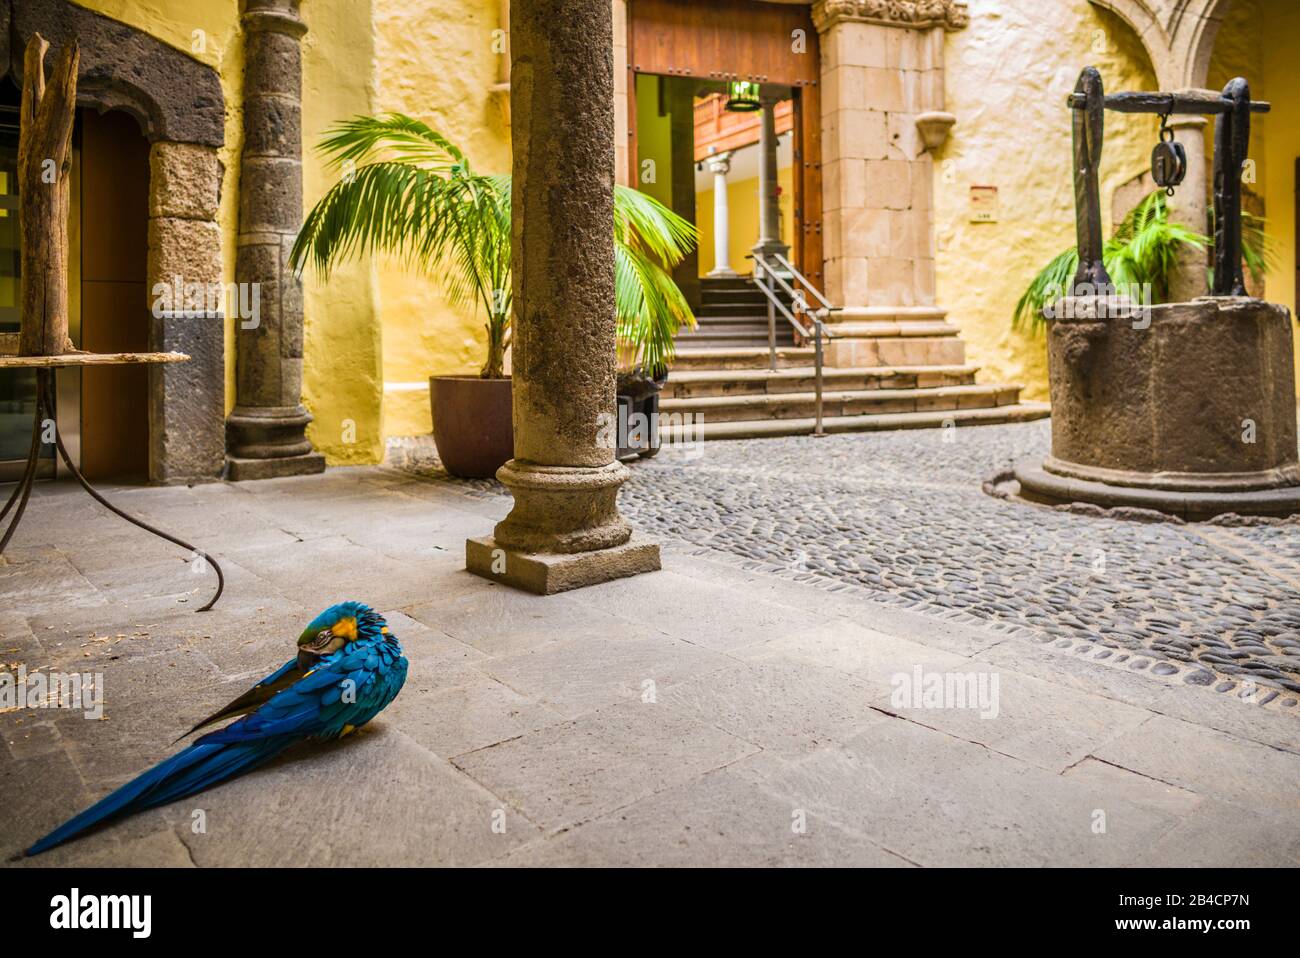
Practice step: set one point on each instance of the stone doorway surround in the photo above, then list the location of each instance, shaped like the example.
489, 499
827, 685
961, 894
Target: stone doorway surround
181, 110
881, 92
882, 78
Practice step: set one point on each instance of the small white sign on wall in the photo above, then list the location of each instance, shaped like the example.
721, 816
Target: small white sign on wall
983, 204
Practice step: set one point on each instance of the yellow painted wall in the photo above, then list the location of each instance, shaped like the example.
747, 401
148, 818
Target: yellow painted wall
654, 152
742, 220
435, 60
1007, 78
342, 374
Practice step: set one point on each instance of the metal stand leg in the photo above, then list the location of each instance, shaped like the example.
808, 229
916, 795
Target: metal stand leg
23, 489
45, 407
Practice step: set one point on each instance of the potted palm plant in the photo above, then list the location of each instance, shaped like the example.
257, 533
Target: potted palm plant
408, 191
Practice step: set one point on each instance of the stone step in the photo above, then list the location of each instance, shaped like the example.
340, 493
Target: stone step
899, 349
730, 294
751, 307
670, 432
709, 284
741, 336
739, 357
696, 383
740, 319
836, 403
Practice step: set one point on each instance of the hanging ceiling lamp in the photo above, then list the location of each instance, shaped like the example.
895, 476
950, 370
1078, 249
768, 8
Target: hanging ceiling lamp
742, 97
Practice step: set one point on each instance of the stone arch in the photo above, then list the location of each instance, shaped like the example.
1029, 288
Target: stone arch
178, 103
172, 96
1201, 31
1178, 35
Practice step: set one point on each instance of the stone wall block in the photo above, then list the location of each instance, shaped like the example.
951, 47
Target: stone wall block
855, 276
890, 280
880, 88
291, 297
922, 174
273, 64
187, 401
889, 185
188, 248
270, 194
259, 380
863, 134
185, 181
274, 129
904, 138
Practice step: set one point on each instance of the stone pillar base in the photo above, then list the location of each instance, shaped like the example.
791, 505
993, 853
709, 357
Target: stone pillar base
1039, 485
238, 469
545, 573
563, 509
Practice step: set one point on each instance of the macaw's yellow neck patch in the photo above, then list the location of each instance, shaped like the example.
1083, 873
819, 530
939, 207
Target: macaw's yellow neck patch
345, 629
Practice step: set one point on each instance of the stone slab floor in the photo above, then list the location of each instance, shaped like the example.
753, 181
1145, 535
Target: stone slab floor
737, 708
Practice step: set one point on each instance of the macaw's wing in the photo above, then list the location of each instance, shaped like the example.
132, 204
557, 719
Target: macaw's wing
347, 689
263, 691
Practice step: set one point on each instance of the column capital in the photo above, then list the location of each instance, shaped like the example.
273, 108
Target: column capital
719, 162
273, 16
909, 14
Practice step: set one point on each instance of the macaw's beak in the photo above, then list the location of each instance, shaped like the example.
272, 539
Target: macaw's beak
307, 659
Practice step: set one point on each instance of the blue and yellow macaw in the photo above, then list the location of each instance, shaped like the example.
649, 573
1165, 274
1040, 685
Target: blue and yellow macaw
348, 668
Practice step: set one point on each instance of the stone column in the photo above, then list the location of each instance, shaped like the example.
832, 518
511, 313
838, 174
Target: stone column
266, 431
720, 166
565, 530
769, 199
1188, 207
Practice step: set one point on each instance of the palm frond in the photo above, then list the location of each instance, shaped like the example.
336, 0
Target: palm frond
1046, 288
1140, 257
408, 192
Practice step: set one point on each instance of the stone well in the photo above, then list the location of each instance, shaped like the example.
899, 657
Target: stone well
1187, 408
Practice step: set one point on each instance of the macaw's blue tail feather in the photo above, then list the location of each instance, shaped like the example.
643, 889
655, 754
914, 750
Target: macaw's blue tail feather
200, 766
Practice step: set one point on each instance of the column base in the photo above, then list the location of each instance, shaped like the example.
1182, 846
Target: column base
546, 573
238, 470
1039, 485
727, 273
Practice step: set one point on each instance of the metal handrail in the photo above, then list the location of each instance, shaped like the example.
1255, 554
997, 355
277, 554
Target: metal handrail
806, 284
765, 276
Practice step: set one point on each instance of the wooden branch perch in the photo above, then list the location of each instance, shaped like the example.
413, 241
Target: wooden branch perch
44, 168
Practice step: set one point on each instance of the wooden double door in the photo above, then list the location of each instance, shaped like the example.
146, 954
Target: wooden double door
722, 40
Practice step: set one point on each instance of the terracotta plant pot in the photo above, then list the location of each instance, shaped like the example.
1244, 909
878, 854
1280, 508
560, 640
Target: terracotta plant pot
472, 426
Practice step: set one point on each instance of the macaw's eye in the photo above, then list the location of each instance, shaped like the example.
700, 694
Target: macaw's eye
322, 640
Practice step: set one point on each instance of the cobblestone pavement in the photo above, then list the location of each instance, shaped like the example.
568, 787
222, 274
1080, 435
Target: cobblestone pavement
903, 516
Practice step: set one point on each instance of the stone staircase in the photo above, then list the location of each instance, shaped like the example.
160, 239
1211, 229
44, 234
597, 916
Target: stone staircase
733, 313
912, 374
